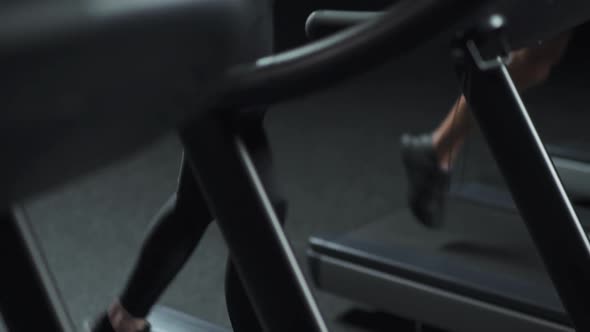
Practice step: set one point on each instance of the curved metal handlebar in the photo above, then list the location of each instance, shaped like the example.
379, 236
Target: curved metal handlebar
356, 50
392, 33
322, 23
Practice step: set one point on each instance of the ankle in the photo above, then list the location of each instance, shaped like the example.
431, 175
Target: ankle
443, 157
122, 321
446, 152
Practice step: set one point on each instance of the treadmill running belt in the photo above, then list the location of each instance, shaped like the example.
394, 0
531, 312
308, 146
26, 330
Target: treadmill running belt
481, 254
573, 150
497, 197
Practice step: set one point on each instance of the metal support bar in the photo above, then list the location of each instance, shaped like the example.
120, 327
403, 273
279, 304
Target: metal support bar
530, 175
29, 299
263, 257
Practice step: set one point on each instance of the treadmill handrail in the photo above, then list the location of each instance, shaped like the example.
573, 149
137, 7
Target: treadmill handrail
402, 27
324, 22
323, 63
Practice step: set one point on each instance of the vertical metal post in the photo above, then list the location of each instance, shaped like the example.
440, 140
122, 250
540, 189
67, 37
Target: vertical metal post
29, 299
530, 175
259, 249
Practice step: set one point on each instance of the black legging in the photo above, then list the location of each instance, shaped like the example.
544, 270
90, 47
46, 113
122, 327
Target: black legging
179, 226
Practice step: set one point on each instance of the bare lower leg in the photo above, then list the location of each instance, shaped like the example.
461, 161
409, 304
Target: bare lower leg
450, 135
528, 68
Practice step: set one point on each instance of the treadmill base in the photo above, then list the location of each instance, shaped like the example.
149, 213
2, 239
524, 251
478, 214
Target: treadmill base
480, 273
420, 302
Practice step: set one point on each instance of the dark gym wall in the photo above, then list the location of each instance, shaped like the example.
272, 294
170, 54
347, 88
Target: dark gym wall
290, 16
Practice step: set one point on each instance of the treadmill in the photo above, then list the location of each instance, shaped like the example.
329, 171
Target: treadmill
482, 272
79, 99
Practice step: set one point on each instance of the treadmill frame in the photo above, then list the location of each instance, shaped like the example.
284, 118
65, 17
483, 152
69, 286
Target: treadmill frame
531, 176
234, 192
526, 166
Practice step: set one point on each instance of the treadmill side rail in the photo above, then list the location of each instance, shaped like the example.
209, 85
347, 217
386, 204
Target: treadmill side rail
420, 301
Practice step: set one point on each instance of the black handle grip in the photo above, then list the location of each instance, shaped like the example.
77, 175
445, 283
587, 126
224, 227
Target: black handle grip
322, 23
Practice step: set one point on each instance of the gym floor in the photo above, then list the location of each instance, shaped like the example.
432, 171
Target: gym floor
337, 155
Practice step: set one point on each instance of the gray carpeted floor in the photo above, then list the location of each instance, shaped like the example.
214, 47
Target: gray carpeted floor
337, 154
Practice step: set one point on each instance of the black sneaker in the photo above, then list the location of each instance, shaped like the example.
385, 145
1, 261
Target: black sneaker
428, 183
103, 324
